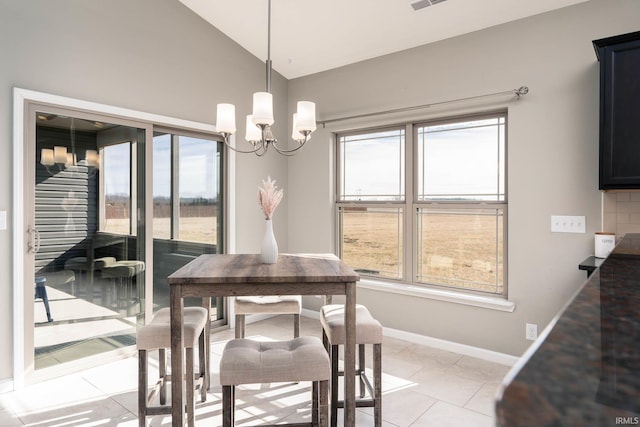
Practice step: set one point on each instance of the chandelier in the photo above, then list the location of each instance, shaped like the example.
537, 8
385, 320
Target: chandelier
63, 159
258, 124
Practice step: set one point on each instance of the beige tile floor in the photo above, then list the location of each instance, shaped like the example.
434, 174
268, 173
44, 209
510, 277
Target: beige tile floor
422, 386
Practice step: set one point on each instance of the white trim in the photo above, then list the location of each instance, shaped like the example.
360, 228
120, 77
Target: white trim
20, 99
467, 350
124, 113
230, 244
492, 303
253, 318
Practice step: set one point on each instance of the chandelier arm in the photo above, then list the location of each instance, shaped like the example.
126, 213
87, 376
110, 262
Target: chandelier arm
237, 150
262, 149
292, 151
289, 153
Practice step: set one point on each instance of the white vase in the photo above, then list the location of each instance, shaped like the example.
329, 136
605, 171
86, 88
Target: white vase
269, 245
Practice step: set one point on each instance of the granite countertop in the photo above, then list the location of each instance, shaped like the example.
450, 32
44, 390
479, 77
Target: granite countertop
586, 370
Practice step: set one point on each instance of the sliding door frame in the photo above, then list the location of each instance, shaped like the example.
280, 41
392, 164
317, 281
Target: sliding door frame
26, 102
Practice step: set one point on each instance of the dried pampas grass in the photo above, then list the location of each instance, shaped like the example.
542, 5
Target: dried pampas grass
269, 197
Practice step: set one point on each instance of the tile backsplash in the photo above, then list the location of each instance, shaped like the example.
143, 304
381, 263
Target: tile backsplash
621, 212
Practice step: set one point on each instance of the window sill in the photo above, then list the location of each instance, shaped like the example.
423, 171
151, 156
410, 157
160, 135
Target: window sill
492, 303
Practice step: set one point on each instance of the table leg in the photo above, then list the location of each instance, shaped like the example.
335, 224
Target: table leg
350, 356
177, 365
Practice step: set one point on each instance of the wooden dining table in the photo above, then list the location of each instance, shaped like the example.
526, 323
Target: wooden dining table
219, 275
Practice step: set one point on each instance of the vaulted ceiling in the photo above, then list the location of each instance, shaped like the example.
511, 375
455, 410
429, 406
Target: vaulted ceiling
309, 36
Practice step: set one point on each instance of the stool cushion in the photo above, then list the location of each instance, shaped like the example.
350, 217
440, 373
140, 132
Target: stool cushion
285, 304
368, 330
157, 333
246, 361
57, 278
81, 263
127, 268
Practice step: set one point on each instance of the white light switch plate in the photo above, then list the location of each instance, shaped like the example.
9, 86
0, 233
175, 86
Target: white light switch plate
3, 220
568, 224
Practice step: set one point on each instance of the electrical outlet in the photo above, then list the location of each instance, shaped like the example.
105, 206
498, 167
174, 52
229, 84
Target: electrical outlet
531, 332
568, 224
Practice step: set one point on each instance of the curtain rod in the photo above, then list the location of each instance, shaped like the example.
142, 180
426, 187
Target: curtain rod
522, 90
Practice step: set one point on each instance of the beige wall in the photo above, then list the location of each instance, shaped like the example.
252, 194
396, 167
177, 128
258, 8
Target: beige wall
154, 56
552, 156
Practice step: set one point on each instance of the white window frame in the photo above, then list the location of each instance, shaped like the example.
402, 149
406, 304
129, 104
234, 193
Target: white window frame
408, 284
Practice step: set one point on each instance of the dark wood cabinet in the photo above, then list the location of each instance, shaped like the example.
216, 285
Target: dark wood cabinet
619, 58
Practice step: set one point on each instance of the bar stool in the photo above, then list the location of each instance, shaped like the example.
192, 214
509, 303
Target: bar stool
156, 335
61, 279
80, 265
123, 272
283, 304
41, 293
247, 361
368, 331
56, 279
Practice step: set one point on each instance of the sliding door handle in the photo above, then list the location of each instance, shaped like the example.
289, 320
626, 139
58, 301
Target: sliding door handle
33, 242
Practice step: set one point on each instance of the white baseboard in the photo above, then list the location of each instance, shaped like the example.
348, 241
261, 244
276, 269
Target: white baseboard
467, 350
253, 318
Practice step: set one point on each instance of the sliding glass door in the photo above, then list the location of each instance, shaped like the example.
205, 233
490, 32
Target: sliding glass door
98, 242
89, 252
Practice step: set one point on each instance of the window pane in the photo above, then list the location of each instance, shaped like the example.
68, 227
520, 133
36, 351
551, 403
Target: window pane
187, 173
372, 240
372, 166
162, 186
462, 161
198, 189
461, 248
117, 188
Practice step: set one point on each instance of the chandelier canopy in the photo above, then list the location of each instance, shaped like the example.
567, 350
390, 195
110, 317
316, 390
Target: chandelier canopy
258, 124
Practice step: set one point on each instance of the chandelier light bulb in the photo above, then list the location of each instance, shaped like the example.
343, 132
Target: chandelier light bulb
92, 158
71, 160
253, 132
60, 154
47, 157
263, 108
226, 118
295, 134
306, 116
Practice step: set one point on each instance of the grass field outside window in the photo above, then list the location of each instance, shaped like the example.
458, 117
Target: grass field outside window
447, 227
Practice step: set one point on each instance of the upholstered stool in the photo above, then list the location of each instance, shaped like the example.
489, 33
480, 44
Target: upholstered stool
284, 304
123, 272
80, 265
247, 361
368, 331
156, 335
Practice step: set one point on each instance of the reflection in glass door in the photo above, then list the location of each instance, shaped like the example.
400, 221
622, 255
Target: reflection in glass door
187, 207
89, 263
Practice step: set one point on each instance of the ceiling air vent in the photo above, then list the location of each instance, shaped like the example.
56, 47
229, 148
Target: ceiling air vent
421, 4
